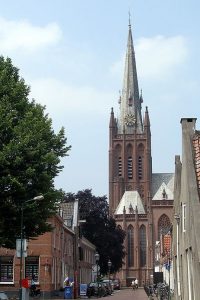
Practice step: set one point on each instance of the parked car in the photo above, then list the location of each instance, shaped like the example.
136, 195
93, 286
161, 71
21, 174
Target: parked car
3, 296
96, 289
117, 284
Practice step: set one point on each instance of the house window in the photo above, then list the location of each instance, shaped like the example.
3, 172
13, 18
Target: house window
130, 167
32, 267
142, 246
6, 269
184, 217
130, 247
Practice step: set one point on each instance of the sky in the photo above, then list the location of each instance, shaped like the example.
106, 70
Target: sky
71, 53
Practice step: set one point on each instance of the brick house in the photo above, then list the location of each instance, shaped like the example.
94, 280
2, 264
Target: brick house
50, 258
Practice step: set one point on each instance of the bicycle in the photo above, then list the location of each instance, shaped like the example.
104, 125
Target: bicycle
35, 293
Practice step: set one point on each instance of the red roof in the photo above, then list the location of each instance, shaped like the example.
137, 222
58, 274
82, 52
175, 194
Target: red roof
196, 147
167, 243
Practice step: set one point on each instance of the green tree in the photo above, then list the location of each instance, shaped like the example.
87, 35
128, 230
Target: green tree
100, 229
30, 154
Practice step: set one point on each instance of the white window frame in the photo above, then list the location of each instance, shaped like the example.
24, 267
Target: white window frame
184, 217
7, 265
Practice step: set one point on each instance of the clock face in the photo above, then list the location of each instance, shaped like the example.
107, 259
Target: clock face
130, 119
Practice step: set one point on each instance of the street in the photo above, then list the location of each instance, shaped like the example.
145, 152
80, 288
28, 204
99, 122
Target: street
128, 294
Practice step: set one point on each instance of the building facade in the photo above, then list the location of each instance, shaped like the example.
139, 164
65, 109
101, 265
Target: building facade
84, 251
140, 201
186, 225
50, 258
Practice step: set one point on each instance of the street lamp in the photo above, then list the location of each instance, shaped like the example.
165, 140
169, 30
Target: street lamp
37, 198
109, 266
97, 262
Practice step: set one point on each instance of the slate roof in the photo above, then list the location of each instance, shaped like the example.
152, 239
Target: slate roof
130, 200
164, 180
70, 213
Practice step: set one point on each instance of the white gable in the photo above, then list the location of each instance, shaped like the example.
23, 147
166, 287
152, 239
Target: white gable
164, 189
130, 199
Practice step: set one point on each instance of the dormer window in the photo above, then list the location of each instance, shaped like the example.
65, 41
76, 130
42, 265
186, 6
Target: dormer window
164, 194
130, 209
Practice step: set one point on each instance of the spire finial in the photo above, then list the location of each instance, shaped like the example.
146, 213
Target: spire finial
129, 19
141, 97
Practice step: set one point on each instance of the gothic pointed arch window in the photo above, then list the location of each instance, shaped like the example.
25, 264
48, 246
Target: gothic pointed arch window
164, 225
130, 167
140, 168
140, 161
129, 161
118, 161
130, 237
143, 251
119, 166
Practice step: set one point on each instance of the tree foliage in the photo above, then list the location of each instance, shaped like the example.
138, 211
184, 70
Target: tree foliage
30, 155
100, 229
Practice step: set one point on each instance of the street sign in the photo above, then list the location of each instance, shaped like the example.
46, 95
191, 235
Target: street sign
18, 247
94, 268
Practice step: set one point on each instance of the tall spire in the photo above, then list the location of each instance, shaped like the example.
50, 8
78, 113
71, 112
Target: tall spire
130, 100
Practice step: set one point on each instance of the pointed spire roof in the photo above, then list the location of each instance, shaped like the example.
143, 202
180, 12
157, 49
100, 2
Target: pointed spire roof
130, 99
146, 118
112, 119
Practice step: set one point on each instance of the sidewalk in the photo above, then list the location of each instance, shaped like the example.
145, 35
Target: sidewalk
123, 294
130, 294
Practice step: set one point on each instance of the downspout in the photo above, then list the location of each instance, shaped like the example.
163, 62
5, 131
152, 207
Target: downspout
177, 217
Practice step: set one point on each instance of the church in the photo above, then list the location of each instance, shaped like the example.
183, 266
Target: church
140, 201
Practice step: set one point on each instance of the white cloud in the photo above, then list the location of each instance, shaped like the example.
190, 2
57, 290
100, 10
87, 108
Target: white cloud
159, 55
60, 98
156, 56
22, 35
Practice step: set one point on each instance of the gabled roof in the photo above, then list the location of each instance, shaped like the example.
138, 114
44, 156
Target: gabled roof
130, 200
163, 192
161, 181
70, 213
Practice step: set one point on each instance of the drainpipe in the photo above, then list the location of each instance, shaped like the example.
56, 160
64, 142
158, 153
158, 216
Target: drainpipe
177, 218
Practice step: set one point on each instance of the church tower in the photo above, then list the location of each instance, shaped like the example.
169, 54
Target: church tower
130, 139
140, 202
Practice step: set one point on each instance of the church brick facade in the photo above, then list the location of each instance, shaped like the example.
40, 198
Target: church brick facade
140, 201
